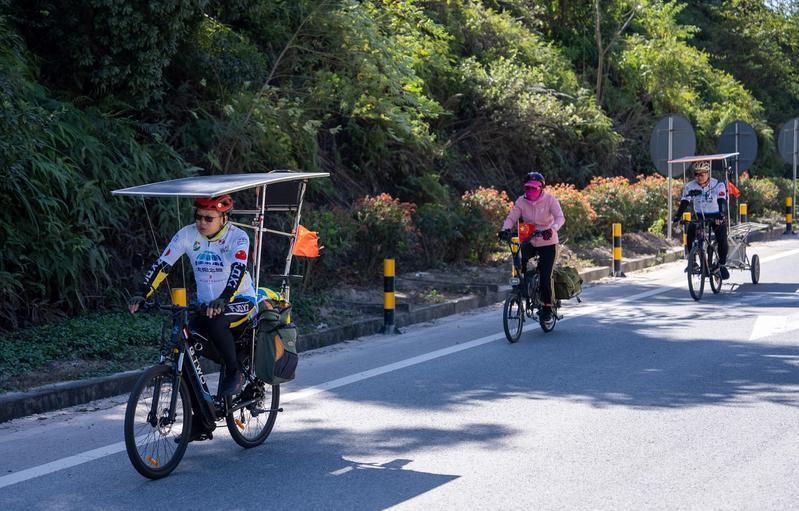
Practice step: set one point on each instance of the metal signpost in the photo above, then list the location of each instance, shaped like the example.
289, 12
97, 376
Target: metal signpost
788, 145
739, 137
673, 137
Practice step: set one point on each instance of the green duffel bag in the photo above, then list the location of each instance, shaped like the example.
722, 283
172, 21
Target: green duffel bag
567, 282
275, 351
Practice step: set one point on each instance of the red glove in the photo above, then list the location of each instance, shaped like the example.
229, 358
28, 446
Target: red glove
547, 235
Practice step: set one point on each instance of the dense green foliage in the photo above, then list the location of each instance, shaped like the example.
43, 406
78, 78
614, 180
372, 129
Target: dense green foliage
421, 99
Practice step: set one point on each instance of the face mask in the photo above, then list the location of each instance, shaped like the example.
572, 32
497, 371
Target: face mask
532, 194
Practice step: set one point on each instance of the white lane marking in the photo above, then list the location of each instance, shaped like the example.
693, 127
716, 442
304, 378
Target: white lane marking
84, 457
55, 466
766, 326
779, 255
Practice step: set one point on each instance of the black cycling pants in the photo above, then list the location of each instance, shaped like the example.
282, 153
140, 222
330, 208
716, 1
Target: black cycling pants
219, 329
721, 238
546, 264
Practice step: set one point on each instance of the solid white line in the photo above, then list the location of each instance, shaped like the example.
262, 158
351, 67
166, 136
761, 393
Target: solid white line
55, 466
84, 457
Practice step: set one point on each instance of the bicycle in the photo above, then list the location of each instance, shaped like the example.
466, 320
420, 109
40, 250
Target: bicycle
524, 299
703, 259
170, 396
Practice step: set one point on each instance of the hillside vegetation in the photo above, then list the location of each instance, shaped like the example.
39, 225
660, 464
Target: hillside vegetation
423, 100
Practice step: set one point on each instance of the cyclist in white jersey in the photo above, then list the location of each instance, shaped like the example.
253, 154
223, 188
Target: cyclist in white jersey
218, 252
708, 196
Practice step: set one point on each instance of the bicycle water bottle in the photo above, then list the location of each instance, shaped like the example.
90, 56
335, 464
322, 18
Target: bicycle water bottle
179, 296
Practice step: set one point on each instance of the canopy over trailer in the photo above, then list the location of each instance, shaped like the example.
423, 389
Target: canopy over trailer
280, 190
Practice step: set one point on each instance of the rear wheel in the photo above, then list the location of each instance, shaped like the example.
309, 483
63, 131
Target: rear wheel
696, 273
155, 436
513, 317
714, 269
755, 269
249, 426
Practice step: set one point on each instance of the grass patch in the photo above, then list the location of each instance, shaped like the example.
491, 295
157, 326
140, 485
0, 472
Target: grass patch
105, 343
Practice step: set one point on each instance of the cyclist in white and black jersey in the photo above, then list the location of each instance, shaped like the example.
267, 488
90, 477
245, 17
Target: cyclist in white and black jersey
708, 196
218, 252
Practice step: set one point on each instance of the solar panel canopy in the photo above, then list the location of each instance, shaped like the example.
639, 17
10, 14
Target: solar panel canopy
213, 186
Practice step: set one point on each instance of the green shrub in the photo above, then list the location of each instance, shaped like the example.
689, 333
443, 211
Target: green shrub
649, 203
760, 194
385, 229
612, 199
483, 211
439, 229
579, 214
223, 59
59, 227
785, 187
101, 47
336, 229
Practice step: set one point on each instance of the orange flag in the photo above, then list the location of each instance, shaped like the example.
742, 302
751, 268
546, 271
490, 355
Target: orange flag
734, 191
307, 244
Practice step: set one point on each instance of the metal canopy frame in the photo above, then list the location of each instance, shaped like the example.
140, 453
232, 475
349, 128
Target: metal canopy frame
703, 157
279, 190
723, 157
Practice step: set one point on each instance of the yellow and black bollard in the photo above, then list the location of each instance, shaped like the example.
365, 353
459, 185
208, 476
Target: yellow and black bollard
789, 215
389, 302
686, 218
742, 210
616, 272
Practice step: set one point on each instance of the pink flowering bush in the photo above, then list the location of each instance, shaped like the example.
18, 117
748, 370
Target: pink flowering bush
482, 211
580, 216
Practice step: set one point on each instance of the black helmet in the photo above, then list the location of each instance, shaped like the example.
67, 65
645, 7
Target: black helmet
534, 176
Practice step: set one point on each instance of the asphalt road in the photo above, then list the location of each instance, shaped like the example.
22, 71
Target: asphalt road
640, 399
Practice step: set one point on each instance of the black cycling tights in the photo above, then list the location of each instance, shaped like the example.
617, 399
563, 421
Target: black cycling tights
546, 263
219, 333
720, 230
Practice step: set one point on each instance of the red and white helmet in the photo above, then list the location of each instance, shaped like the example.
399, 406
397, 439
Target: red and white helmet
223, 203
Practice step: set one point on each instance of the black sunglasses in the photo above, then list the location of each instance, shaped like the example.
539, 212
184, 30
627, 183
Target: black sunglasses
700, 173
208, 219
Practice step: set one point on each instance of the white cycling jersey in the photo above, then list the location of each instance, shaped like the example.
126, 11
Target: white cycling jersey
707, 201
212, 260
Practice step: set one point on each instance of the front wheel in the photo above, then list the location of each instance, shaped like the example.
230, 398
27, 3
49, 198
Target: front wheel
696, 273
714, 269
250, 425
755, 269
549, 325
156, 432
513, 317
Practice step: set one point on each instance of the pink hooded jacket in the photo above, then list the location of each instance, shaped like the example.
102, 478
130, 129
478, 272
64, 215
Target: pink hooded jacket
545, 213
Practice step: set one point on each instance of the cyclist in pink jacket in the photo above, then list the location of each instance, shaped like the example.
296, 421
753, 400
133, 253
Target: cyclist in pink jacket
543, 211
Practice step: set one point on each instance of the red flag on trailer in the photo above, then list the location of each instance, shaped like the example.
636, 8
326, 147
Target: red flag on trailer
307, 244
734, 191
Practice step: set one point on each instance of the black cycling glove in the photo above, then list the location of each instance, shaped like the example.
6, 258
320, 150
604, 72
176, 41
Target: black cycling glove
506, 235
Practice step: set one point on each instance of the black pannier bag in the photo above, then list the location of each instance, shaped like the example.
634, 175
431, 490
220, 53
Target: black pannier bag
275, 345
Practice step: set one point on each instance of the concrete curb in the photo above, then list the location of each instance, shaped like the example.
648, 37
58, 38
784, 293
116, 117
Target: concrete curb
61, 395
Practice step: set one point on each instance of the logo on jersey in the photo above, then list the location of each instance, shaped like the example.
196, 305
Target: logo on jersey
168, 251
208, 262
241, 255
196, 246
